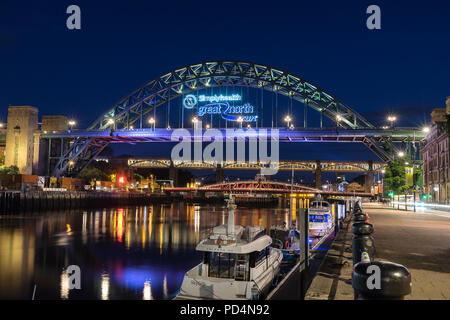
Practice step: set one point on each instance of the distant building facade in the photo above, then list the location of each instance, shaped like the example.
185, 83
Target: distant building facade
24, 147
435, 155
20, 138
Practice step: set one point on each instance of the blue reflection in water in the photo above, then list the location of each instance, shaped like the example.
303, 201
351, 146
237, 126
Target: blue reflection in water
123, 253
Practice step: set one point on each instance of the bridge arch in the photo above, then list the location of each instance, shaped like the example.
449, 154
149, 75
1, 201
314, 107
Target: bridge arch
212, 74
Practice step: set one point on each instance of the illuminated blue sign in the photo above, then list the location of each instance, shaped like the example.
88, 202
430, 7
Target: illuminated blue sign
219, 104
190, 101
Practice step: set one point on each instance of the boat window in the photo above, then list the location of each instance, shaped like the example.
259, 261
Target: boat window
318, 218
261, 255
242, 272
221, 265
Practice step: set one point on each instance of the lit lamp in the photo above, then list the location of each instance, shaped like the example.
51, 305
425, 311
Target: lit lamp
71, 123
401, 154
338, 120
194, 121
208, 126
152, 122
110, 121
426, 129
240, 120
392, 119
288, 119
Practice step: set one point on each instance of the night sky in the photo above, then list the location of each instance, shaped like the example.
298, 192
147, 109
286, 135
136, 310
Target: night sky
404, 68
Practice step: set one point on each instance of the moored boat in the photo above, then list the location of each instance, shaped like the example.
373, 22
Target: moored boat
238, 263
320, 218
287, 240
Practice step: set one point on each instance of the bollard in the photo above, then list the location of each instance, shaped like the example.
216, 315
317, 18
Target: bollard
381, 280
362, 241
360, 217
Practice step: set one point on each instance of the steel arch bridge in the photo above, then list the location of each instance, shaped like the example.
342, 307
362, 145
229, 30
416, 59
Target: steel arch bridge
118, 123
204, 75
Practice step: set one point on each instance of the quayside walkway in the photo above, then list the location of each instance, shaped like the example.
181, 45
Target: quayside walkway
418, 240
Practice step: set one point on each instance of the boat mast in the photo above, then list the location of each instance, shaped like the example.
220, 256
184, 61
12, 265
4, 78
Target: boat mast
231, 206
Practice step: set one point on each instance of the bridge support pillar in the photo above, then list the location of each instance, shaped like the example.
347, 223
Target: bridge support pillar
368, 183
173, 174
219, 174
318, 176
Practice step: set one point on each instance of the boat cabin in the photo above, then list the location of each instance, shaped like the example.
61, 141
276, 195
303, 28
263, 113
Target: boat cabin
235, 257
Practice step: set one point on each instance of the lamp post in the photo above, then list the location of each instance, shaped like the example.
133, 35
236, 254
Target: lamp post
194, 122
240, 120
111, 123
71, 123
288, 120
392, 119
338, 121
152, 122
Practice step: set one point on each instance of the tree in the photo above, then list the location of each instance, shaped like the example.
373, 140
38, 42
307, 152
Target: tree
395, 178
9, 170
92, 173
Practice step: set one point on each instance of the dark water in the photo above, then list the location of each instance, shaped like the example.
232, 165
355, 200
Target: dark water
123, 253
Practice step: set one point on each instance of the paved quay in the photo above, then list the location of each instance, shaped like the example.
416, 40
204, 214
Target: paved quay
333, 279
418, 240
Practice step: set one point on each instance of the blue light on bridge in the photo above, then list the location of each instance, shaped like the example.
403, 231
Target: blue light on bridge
219, 104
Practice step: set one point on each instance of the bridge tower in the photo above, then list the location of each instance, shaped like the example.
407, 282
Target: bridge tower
173, 174
368, 181
22, 138
318, 175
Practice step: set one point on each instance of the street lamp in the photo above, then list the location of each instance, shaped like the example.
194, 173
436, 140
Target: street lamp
426, 129
392, 119
152, 122
111, 122
71, 123
208, 126
338, 120
401, 154
194, 121
288, 119
240, 120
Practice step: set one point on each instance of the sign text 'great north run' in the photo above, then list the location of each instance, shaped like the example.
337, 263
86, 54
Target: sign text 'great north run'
223, 105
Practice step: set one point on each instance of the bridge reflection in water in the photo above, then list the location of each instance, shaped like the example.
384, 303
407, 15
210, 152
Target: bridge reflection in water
123, 253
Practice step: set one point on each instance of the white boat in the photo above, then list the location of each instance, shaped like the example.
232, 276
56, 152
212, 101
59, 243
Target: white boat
320, 218
238, 263
288, 240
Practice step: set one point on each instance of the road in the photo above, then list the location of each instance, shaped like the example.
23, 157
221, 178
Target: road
418, 240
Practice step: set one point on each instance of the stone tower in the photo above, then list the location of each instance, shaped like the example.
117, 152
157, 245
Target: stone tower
20, 137
447, 105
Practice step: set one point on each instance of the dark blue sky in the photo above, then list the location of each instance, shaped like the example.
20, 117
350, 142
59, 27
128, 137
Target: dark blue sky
403, 68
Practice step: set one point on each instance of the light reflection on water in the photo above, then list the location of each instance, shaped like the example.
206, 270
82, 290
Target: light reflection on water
123, 253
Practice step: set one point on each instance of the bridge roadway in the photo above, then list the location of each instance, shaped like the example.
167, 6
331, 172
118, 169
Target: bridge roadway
401, 134
88, 144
